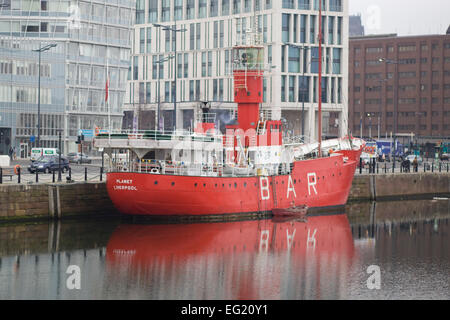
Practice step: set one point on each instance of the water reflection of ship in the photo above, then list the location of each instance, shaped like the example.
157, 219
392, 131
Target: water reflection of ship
255, 259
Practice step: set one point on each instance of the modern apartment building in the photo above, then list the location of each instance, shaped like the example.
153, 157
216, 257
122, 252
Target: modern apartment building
93, 43
416, 70
207, 30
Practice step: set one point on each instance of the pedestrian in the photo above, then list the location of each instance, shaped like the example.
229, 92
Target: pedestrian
10, 152
415, 164
14, 154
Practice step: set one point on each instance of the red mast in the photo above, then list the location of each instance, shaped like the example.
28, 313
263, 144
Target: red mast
320, 78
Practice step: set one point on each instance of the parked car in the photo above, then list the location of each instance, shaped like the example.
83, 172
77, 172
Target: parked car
48, 164
445, 156
77, 158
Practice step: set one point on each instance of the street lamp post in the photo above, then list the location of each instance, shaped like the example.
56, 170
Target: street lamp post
158, 89
41, 49
60, 151
174, 31
395, 63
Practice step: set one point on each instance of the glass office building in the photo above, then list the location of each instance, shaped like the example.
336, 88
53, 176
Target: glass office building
93, 44
288, 30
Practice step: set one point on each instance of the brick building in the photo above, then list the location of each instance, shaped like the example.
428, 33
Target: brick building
416, 69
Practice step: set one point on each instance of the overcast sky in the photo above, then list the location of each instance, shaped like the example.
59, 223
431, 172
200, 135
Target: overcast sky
404, 17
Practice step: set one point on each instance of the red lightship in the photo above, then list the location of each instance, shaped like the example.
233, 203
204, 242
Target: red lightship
250, 169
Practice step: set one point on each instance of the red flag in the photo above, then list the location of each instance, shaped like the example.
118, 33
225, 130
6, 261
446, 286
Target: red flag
106, 90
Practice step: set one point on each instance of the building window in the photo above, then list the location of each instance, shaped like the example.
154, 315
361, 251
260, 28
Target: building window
304, 4
167, 96
191, 90
236, 6
406, 48
337, 61
285, 27
152, 11
374, 50
140, 11
186, 65
312, 29
303, 89
141, 40
216, 34
294, 59
330, 30
167, 37
215, 89
209, 63
179, 65
339, 31
247, 5
178, 10
291, 88
202, 8
192, 36
315, 60
221, 34
213, 8
197, 36
225, 7
203, 64
147, 92
325, 89
165, 10
135, 68
303, 18
190, 9
288, 4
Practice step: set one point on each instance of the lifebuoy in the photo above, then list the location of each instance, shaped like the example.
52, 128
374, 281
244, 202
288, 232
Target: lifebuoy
16, 169
154, 170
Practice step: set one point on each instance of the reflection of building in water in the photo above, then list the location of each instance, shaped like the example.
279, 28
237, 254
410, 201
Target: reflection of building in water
236, 260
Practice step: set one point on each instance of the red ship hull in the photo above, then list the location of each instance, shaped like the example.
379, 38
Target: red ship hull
317, 183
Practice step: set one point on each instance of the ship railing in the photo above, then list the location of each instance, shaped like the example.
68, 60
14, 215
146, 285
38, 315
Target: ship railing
181, 135
181, 168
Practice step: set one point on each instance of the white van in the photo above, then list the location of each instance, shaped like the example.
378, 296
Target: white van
38, 152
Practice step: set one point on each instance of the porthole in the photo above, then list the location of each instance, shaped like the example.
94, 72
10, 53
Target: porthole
156, 182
